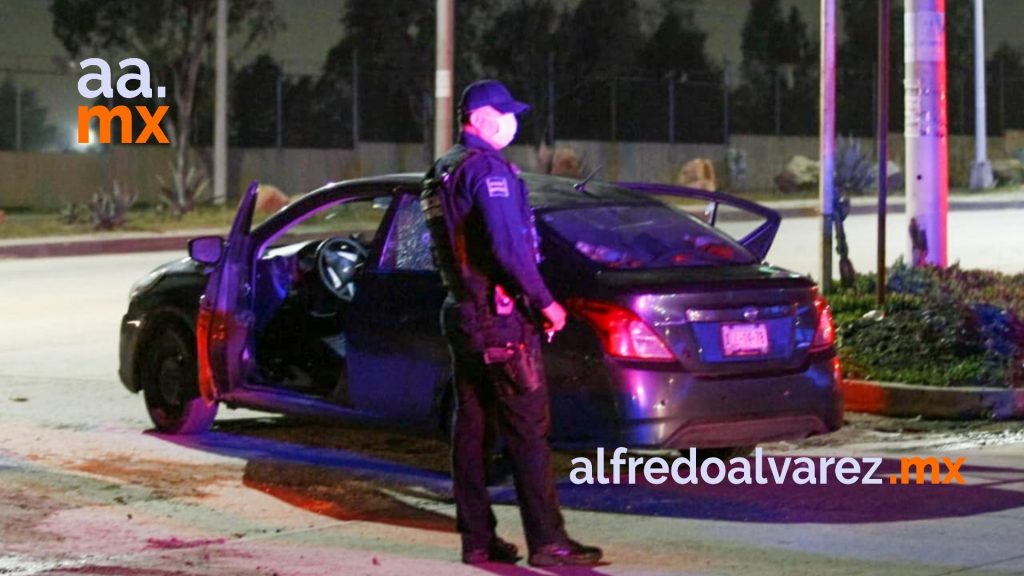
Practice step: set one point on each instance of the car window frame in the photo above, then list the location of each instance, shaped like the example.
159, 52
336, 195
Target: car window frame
326, 198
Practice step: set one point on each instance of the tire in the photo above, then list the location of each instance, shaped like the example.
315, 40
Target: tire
723, 454
170, 383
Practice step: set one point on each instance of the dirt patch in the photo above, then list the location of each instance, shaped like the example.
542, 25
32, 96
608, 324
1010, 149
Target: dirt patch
165, 478
24, 502
341, 495
178, 543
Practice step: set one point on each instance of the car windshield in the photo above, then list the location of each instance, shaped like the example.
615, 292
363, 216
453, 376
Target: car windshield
645, 236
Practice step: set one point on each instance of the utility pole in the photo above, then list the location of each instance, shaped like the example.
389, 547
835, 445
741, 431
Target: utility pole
672, 107
726, 81
443, 76
551, 98
17, 114
882, 131
355, 98
220, 108
827, 138
981, 172
279, 108
926, 130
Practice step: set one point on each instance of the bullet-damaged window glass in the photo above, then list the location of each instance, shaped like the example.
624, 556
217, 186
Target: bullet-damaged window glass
408, 245
645, 236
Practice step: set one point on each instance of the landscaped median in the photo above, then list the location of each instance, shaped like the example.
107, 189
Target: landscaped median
910, 400
950, 344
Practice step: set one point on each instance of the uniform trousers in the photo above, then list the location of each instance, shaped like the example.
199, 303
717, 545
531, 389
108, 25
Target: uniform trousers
485, 395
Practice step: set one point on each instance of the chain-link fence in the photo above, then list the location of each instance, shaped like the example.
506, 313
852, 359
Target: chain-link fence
335, 109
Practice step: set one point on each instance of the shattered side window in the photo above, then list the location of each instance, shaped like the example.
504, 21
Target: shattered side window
408, 245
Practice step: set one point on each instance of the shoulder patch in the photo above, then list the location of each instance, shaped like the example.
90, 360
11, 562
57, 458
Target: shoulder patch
497, 186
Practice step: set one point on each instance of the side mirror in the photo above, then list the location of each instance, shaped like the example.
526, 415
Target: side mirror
206, 249
381, 202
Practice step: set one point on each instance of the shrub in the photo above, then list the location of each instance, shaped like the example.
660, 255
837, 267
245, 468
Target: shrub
110, 211
942, 327
854, 171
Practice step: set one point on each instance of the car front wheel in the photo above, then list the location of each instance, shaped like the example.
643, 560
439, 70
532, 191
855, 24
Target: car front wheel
170, 383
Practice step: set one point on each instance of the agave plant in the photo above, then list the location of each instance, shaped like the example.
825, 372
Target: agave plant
855, 170
110, 211
71, 213
182, 195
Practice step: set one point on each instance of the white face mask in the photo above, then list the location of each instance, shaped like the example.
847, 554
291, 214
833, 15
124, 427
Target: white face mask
507, 127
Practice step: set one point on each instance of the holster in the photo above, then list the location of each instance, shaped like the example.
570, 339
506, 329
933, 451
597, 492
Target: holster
515, 369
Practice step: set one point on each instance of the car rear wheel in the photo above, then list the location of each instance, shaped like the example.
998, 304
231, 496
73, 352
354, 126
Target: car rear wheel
170, 383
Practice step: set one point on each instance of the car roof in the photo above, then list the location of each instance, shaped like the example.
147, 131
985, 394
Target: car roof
546, 191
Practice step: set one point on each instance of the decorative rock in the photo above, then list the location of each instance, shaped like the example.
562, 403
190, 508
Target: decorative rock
698, 173
270, 199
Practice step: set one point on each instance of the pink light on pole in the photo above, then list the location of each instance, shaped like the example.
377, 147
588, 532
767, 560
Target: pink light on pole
926, 131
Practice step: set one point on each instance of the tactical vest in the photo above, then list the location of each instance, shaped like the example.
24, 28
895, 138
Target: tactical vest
469, 287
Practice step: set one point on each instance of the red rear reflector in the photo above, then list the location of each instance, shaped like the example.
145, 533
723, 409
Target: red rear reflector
623, 334
206, 387
825, 334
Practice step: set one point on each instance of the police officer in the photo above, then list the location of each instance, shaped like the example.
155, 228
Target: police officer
485, 247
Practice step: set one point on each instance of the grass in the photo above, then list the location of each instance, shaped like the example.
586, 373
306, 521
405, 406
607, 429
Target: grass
32, 224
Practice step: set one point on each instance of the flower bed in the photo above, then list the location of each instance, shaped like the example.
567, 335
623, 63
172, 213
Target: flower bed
941, 327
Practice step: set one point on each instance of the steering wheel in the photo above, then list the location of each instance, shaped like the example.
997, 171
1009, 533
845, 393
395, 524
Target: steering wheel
337, 260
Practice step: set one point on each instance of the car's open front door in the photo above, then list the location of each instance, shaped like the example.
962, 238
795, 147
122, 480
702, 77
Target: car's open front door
224, 326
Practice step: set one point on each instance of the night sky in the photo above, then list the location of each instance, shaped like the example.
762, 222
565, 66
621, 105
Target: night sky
313, 26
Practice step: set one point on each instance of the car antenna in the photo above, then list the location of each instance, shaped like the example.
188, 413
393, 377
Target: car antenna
581, 186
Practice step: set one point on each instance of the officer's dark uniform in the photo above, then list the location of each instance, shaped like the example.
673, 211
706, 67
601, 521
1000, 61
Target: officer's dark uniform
485, 239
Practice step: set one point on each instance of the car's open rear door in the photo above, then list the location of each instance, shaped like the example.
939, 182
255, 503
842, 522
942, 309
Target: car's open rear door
223, 329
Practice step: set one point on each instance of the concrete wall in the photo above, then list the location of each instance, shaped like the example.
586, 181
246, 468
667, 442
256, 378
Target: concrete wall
49, 180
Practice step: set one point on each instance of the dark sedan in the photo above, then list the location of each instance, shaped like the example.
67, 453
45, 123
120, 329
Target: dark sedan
679, 335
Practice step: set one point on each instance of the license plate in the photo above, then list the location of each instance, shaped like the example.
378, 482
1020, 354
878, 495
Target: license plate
744, 339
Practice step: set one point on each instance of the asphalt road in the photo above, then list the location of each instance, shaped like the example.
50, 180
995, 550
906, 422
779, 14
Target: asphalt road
977, 239
87, 488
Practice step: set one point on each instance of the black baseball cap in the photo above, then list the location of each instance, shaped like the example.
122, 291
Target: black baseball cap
490, 93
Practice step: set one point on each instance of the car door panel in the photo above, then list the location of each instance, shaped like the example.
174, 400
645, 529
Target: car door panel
225, 321
397, 354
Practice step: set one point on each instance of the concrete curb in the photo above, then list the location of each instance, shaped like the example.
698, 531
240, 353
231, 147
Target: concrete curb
908, 400
79, 247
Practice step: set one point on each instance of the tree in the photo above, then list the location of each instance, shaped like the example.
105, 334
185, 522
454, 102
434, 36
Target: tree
519, 47
598, 44
675, 53
395, 45
253, 119
175, 37
960, 65
677, 44
1005, 74
779, 68
857, 55
36, 132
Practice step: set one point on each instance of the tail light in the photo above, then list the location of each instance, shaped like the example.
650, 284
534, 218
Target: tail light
622, 332
825, 334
